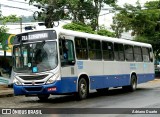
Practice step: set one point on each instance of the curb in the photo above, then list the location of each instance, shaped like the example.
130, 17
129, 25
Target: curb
6, 94
5, 91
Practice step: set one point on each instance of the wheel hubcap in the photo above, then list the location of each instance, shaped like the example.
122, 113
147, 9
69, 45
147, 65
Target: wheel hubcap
83, 88
134, 84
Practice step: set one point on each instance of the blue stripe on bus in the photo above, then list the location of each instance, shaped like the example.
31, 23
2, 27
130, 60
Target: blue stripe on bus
142, 78
69, 84
117, 80
108, 81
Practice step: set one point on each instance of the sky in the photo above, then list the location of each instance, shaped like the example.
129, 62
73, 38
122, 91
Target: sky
105, 20
15, 3
108, 17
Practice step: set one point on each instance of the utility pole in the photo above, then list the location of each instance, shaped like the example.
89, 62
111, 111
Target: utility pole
21, 24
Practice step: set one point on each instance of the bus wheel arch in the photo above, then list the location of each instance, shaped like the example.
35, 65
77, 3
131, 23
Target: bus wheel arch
82, 87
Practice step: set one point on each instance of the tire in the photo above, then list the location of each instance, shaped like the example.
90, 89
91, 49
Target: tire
102, 91
82, 89
133, 84
43, 97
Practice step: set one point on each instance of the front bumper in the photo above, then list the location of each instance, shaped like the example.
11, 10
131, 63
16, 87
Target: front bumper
66, 85
37, 89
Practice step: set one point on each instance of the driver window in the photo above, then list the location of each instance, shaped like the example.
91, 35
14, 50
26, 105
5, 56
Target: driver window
67, 52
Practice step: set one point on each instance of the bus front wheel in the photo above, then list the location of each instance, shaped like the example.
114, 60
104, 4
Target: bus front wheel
82, 89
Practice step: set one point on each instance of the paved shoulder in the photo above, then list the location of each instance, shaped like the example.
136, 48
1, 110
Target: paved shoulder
5, 91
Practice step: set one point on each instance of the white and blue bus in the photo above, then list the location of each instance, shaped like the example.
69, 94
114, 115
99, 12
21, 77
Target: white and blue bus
59, 61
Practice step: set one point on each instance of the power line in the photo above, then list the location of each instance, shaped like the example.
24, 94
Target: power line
104, 14
17, 1
17, 8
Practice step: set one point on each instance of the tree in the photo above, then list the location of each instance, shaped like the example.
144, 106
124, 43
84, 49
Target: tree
88, 29
143, 21
3, 28
51, 10
105, 32
79, 27
78, 10
98, 5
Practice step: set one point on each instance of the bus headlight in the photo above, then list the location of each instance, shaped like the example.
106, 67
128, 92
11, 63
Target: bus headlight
16, 81
52, 79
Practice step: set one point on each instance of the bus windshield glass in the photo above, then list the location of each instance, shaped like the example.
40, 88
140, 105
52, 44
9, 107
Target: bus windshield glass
35, 57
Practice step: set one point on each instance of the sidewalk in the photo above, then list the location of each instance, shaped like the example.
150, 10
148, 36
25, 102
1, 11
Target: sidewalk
5, 91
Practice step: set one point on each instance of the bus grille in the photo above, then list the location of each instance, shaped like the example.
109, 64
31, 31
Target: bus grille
33, 88
39, 77
36, 83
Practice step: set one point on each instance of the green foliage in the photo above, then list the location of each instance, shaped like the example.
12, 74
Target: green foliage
10, 18
4, 20
143, 21
3, 29
3, 35
78, 10
78, 27
4, 42
104, 32
85, 28
152, 4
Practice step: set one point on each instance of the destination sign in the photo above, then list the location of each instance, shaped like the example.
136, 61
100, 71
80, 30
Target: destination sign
35, 36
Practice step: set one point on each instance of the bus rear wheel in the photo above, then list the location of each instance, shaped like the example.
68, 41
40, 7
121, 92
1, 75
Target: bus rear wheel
43, 97
133, 84
82, 89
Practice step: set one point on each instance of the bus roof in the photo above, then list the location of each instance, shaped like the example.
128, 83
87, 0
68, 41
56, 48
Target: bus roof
103, 38
93, 36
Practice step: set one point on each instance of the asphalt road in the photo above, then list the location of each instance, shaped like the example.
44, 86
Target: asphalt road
146, 96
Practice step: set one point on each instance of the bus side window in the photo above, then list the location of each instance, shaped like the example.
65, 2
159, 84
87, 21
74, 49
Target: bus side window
151, 55
129, 53
146, 54
107, 50
94, 47
138, 54
81, 48
67, 52
119, 52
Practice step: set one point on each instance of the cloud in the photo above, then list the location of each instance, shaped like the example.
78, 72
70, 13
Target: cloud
15, 11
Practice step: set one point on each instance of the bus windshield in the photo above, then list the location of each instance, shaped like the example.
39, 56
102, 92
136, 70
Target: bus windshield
35, 57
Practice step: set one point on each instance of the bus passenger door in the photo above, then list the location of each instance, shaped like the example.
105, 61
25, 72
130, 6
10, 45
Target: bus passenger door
68, 70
